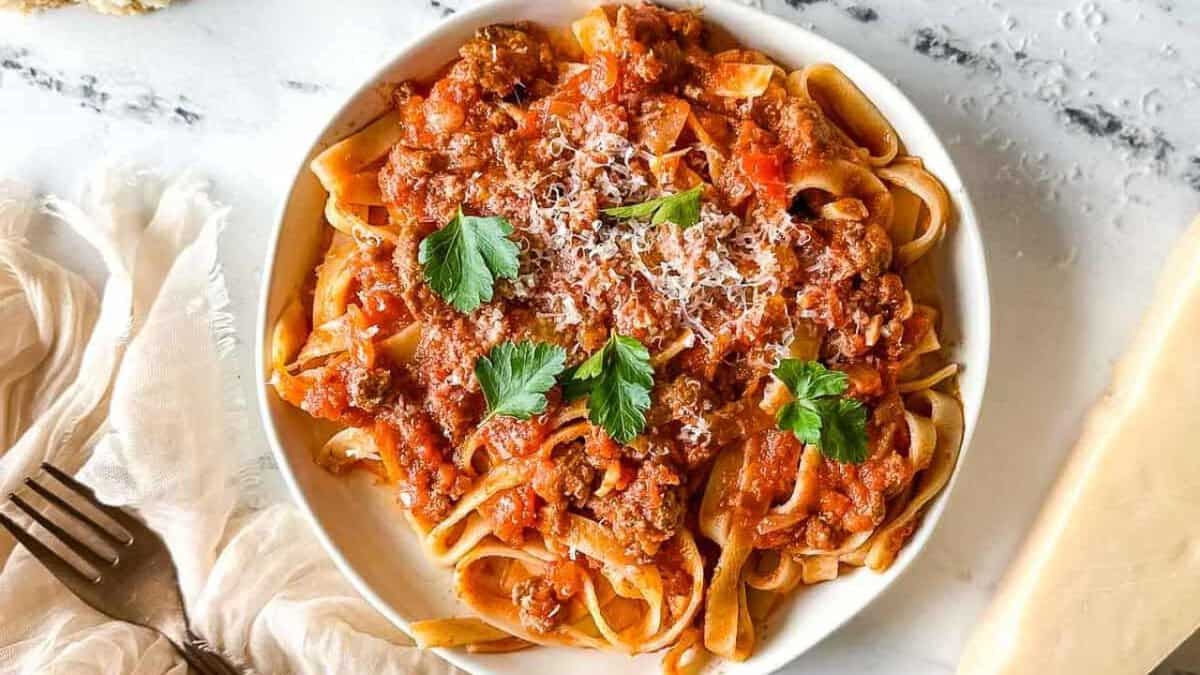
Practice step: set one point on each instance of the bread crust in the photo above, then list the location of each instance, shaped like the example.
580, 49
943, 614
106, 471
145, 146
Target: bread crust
119, 7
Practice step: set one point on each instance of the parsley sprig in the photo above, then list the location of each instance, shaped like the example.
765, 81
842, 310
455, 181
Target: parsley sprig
516, 376
820, 415
681, 208
462, 260
617, 380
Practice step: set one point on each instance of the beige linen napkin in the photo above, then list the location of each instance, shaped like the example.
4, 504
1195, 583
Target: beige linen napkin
134, 392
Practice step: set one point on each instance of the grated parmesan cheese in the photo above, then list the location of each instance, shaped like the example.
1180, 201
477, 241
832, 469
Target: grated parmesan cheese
714, 278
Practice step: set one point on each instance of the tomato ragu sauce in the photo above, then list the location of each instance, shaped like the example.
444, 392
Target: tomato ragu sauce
528, 126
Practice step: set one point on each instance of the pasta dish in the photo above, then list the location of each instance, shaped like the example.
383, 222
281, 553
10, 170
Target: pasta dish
639, 328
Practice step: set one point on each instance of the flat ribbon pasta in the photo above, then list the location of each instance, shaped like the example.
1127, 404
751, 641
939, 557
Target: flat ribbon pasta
822, 234
344, 167
842, 178
609, 620
919, 182
850, 109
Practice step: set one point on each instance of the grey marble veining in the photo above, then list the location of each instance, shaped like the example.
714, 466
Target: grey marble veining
1076, 126
130, 100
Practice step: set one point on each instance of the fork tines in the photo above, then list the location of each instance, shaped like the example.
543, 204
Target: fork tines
98, 558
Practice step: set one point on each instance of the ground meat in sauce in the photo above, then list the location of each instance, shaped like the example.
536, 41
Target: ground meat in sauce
508, 437
575, 476
367, 387
503, 58
648, 512
538, 605
510, 128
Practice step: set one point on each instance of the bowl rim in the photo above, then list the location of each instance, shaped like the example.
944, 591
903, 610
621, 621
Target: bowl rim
966, 221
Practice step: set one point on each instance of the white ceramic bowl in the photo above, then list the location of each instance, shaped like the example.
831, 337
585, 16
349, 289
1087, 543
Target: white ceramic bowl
361, 526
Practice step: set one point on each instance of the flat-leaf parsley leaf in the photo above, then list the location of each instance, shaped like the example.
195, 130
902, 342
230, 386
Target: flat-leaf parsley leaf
617, 380
516, 376
681, 208
820, 414
810, 379
462, 260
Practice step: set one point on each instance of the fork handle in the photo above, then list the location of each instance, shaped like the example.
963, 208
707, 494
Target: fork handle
204, 660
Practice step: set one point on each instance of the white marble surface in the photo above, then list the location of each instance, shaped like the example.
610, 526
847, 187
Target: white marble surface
1076, 126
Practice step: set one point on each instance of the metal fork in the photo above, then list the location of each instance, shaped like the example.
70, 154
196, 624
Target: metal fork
136, 582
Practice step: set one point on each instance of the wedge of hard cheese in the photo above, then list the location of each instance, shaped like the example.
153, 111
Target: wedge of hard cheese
1108, 582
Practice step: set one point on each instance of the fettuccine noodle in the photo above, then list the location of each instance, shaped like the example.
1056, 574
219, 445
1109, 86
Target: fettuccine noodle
812, 241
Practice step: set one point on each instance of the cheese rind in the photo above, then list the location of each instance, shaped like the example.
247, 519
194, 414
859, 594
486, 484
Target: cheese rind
1108, 580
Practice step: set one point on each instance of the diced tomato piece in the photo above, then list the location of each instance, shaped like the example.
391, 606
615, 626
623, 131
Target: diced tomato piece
382, 308
762, 167
765, 171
